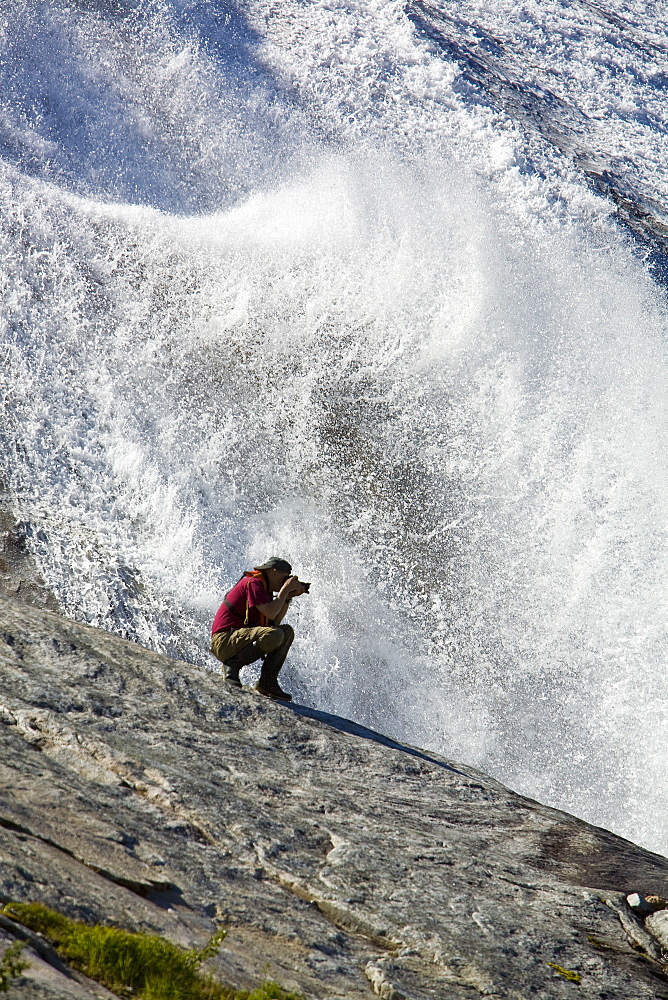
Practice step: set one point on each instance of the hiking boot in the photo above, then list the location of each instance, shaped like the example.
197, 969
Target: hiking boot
231, 667
231, 674
274, 691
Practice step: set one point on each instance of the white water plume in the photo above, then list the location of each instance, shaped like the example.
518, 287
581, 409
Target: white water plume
346, 320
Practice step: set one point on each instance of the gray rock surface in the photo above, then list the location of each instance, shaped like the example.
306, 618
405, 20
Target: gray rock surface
19, 577
140, 791
657, 925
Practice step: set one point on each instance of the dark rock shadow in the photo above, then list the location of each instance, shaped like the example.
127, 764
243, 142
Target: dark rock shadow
168, 899
602, 861
354, 729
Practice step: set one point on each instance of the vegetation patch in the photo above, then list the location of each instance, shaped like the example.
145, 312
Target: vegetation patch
601, 945
11, 965
572, 977
144, 966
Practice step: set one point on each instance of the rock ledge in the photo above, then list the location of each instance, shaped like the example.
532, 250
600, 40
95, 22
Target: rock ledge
139, 791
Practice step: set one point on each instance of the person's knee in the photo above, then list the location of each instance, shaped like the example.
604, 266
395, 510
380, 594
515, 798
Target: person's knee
288, 633
216, 648
271, 640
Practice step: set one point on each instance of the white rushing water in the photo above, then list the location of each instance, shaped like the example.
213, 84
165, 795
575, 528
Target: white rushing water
337, 281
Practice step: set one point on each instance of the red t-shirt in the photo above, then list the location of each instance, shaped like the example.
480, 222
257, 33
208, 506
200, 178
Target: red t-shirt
247, 593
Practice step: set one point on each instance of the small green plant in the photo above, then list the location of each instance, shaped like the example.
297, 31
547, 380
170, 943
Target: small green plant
600, 945
11, 965
144, 966
267, 990
572, 977
211, 947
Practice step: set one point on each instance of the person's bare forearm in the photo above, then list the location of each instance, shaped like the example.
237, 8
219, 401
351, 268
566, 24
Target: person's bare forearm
274, 610
281, 614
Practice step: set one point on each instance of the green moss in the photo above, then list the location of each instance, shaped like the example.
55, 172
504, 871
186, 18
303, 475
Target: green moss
11, 965
601, 945
145, 966
572, 977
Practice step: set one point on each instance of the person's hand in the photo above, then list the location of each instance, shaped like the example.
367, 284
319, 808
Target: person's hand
291, 588
288, 586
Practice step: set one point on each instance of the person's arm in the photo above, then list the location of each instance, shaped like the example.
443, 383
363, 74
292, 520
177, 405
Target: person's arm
275, 610
280, 615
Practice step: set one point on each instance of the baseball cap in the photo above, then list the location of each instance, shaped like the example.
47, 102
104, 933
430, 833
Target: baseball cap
275, 562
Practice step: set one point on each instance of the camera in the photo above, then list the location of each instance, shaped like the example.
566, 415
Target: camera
306, 586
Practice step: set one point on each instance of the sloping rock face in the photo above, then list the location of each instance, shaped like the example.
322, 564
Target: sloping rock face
140, 791
19, 577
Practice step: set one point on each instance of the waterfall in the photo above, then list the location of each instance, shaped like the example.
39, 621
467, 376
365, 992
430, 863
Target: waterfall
376, 289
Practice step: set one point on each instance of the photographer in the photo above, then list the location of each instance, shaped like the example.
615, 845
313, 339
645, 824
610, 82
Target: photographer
245, 628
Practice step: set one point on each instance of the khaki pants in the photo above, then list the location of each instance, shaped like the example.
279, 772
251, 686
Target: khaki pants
225, 645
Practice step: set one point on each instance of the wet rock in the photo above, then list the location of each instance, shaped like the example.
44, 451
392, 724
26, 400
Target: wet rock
19, 576
140, 791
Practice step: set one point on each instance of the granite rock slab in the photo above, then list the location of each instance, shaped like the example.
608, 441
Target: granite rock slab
140, 791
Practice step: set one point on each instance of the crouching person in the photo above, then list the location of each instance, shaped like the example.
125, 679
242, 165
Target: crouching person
247, 626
